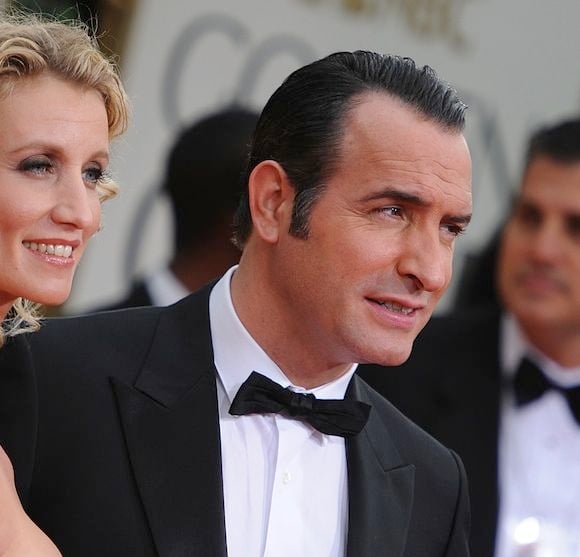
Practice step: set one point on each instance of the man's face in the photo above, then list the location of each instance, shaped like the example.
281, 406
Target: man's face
379, 252
539, 264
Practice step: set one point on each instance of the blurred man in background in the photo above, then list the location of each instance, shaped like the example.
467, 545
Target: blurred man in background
502, 386
204, 182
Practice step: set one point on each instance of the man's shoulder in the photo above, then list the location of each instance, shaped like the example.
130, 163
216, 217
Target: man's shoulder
114, 342
435, 472
96, 327
125, 322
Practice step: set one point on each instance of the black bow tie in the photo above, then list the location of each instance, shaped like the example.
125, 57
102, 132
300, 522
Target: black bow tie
530, 383
260, 395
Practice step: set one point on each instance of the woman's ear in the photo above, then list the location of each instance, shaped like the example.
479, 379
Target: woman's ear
271, 200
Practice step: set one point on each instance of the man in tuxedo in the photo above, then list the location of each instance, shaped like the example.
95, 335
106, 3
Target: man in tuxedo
233, 422
502, 385
203, 182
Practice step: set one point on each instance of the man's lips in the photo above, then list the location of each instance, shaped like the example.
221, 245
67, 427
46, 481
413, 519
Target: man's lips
403, 307
541, 282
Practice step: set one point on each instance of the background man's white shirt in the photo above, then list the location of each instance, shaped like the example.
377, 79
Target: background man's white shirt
164, 288
539, 461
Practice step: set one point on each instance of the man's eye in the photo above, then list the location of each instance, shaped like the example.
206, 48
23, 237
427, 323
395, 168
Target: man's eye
528, 216
391, 211
573, 226
454, 229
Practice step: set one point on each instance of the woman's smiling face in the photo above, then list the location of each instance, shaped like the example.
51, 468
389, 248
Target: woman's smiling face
54, 150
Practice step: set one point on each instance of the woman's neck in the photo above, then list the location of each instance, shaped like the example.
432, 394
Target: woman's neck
5, 308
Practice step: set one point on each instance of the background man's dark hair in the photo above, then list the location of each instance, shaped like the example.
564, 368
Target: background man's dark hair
301, 126
560, 142
204, 175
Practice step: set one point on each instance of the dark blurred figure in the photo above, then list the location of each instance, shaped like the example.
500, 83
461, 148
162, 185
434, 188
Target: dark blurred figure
501, 384
476, 285
204, 182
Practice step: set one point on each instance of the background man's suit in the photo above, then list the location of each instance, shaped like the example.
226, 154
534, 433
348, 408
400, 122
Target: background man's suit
137, 296
128, 454
459, 405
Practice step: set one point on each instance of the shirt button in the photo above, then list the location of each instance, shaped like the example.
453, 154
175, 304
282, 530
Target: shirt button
286, 478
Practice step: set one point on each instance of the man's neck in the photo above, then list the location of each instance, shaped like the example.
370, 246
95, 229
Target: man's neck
560, 345
261, 313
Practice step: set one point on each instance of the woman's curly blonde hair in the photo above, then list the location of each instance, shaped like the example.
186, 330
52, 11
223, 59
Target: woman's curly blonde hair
30, 46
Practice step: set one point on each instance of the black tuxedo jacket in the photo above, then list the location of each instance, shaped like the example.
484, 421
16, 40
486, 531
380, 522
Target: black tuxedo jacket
127, 459
18, 411
451, 386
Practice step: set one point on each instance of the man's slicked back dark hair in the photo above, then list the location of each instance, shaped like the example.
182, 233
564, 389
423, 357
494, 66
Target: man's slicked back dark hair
560, 142
302, 124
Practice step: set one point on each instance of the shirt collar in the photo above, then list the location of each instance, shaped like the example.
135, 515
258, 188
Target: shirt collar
515, 345
237, 354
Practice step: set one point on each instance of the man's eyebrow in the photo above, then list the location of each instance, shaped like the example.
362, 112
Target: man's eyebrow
397, 195
413, 199
460, 219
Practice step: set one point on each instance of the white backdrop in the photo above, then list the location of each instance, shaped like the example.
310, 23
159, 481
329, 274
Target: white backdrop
514, 61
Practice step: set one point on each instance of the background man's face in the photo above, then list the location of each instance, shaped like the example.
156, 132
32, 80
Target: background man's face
378, 256
539, 265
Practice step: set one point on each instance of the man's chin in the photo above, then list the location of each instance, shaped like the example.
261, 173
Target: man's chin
390, 358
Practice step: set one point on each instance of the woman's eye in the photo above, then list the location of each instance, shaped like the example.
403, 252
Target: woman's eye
94, 175
38, 166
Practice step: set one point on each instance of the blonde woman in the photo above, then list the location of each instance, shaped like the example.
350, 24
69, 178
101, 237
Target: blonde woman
61, 103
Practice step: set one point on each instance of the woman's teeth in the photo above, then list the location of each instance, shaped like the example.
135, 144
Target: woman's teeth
51, 249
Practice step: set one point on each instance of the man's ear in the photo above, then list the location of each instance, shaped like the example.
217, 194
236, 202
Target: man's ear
271, 200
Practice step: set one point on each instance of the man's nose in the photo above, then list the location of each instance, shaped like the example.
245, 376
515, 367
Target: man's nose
426, 261
546, 243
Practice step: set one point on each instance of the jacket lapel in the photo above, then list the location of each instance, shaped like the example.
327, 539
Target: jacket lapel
171, 426
380, 488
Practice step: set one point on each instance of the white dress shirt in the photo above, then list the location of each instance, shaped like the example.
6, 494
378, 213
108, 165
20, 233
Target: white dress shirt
539, 462
285, 483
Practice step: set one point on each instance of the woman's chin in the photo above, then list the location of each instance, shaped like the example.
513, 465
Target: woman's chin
55, 298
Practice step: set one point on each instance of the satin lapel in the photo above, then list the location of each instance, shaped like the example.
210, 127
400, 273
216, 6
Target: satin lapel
171, 426
380, 488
